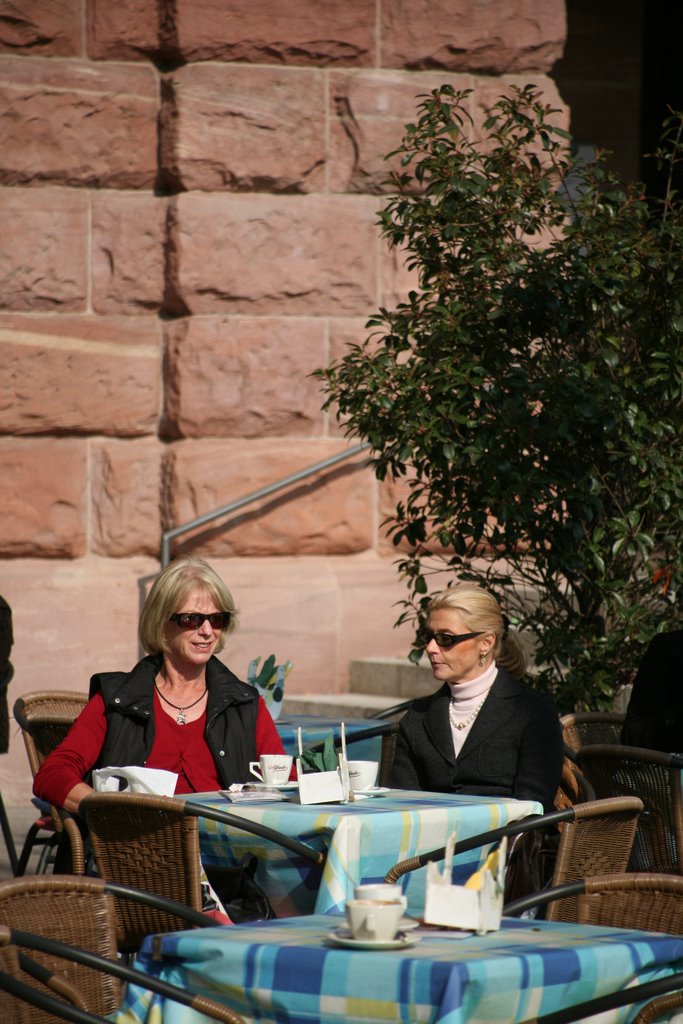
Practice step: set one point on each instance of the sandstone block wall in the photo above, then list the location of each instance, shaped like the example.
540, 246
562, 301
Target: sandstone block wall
188, 202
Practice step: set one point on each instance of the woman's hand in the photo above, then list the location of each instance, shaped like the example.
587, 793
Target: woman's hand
75, 795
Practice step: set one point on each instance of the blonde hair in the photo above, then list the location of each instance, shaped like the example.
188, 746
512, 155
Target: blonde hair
170, 590
481, 613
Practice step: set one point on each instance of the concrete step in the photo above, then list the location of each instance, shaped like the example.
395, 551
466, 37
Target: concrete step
375, 684
397, 678
337, 705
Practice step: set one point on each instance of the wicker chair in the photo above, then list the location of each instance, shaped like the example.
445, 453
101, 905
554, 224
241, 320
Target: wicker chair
582, 728
152, 843
599, 840
596, 836
45, 718
644, 901
68, 925
655, 777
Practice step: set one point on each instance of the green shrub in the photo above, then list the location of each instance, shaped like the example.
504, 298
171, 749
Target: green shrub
529, 389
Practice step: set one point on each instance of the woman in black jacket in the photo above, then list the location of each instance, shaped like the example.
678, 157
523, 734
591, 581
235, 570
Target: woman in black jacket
483, 732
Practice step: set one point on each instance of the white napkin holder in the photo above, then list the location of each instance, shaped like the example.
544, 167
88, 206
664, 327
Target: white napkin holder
319, 787
455, 906
134, 779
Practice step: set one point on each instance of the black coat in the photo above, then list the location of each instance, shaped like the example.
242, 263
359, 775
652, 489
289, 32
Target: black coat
654, 717
514, 747
231, 713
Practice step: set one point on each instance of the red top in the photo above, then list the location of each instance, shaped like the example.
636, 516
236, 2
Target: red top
177, 748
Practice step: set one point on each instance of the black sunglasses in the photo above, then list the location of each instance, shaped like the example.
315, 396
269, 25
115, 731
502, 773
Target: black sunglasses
444, 640
193, 620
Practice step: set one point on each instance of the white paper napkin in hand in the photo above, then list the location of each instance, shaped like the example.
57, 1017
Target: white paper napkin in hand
134, 779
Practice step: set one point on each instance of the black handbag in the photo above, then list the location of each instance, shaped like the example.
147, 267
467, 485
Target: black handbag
242, 897
530, 862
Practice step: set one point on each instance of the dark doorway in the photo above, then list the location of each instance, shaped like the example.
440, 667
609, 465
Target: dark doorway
619, 74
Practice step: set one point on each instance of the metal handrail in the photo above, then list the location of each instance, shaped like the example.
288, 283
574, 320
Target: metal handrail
263, 492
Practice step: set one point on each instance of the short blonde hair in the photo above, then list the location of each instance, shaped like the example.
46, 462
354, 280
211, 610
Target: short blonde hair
170, 590
481, 613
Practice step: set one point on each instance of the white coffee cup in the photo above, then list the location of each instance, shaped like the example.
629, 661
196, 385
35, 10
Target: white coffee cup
374, 920
273, 769
362, 774
381, 892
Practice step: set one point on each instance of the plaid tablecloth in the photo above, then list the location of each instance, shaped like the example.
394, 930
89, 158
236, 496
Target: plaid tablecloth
363, 841
284, 972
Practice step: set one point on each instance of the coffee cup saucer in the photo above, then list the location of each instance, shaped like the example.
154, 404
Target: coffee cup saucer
342, 937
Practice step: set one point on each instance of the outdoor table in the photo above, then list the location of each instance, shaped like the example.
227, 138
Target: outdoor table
316, 729
286, 970
363, 841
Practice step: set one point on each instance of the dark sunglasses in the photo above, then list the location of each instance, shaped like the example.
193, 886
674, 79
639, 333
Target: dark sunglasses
444, 640
193, 620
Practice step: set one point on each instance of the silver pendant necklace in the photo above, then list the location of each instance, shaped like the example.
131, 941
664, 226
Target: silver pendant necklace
181, 719
467, 721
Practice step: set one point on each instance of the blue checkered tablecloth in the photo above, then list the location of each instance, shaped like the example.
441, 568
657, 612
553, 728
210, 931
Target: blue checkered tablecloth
285, 972
363, 841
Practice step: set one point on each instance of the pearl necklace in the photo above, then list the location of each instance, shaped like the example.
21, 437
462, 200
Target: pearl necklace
181, 719
470, 718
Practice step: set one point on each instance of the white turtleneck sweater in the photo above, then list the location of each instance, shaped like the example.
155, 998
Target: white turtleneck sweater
466, 699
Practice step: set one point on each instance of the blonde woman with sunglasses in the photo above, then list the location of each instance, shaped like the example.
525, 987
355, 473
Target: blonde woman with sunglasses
180, 708
483, 732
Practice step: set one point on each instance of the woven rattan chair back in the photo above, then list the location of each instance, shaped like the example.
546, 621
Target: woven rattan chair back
648, 901
75, 910
147, 842
598, 841
581, 728
45, 718
616, 770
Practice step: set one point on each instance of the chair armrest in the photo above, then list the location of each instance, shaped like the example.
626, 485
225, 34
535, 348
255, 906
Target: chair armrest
118, 969
49, 1003
513, 828
611, 1001
150, 899
539, 899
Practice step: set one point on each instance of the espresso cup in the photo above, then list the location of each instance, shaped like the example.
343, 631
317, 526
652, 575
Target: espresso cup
362, 774
380, 892
273, 769
374, 920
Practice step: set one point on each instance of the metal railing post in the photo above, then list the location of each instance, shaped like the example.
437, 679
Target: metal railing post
263, 492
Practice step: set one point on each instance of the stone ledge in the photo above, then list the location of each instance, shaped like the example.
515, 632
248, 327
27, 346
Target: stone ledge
396, 678
337, 705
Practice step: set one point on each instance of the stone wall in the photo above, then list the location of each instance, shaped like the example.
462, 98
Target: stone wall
188, 202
